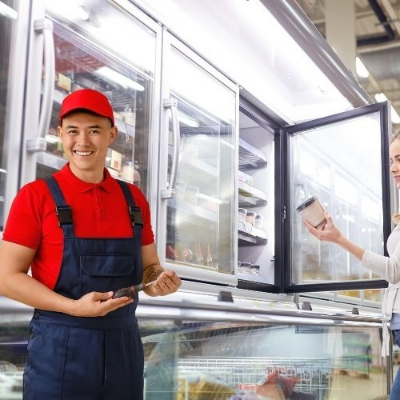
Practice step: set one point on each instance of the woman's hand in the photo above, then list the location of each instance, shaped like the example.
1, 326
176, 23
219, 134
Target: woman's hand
96, 304
328, 233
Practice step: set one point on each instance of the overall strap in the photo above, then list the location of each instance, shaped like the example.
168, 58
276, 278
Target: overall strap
63, 211
134, 211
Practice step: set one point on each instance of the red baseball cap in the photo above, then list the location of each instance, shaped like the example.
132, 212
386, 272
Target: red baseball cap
87, 99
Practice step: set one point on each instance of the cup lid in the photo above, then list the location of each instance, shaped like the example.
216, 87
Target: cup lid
306, 203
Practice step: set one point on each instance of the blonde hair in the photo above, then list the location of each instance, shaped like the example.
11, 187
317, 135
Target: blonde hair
396, 216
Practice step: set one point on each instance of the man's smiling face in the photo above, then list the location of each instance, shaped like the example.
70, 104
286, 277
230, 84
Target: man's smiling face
86, 139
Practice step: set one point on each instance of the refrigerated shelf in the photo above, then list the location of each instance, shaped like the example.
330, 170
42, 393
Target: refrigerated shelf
250, 157
51, 160
198, 164
194, 211
249, 196
250, 235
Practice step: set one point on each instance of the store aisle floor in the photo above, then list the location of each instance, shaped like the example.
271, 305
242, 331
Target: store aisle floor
345, 387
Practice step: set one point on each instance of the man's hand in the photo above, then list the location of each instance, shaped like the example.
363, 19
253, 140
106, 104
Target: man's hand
96, 304
166, 283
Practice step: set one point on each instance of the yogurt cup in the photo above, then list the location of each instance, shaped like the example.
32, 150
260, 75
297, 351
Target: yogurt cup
313, 211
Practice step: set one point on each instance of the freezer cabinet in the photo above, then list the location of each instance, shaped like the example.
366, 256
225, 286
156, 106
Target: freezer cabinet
225, 350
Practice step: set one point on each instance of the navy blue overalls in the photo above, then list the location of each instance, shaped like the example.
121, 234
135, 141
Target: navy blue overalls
98, 358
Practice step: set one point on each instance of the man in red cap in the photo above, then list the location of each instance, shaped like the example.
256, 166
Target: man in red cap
83, 235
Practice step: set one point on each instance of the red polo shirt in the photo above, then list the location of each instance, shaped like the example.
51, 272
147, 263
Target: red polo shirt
98, 211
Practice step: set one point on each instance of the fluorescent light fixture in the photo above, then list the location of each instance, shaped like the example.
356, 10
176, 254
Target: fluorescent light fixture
119, 79
187, 120
362, 71
82, 13
393, 113
380, 97
7, 11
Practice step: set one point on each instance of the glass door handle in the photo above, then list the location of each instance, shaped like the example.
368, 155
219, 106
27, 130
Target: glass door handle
45, 26
172, 104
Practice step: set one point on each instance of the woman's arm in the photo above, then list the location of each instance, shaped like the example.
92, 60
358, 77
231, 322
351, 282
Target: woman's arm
329, 233
387, 268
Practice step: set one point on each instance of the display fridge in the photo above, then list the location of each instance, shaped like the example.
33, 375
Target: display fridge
175, 142
225, 351
83, 48
226, 138
223, 165
342, 160
197, 167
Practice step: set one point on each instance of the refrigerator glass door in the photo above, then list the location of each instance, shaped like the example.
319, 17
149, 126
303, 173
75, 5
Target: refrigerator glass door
343, 161
14, 18
200, 196
101, 46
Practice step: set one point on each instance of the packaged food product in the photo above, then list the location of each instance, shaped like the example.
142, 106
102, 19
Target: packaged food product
259, 221
255, 270
313, 211
209, 260
198, 254
246, 178
242, 212
251, 217
245, 268
64, 82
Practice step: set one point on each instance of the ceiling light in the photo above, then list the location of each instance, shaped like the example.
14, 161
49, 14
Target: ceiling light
394, 116
7, 11
82, 13
119, 79
362, 71
380, 97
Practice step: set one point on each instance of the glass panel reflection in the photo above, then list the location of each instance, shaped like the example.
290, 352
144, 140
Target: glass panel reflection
200, 218
198, 360
7, 19
93, 56
340, 164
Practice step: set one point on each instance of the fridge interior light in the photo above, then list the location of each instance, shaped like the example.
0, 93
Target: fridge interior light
245, 40
7, 11
118, 78
104, 23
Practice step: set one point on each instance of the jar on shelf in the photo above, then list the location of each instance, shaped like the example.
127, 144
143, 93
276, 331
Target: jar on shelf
251, 217
259, 221
255, 270
242, 212
245, 268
